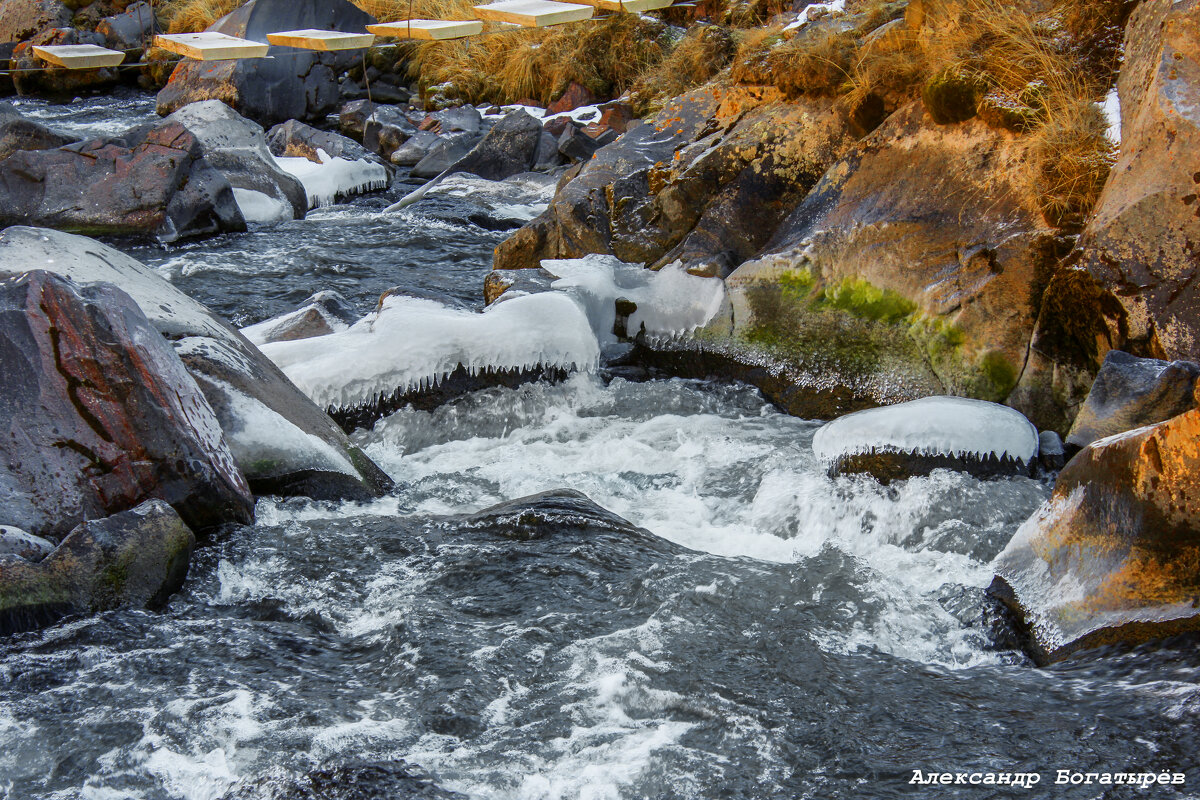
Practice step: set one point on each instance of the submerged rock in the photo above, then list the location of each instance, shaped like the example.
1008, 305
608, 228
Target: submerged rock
296, 84
1132, 392
281, 441
99, 414
237, 148
910, 439
543, 515
1142, 238
137, 558
1114, 555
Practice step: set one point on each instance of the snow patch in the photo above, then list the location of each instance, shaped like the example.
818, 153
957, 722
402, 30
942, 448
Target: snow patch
932, 425
261, 209
334, 178
412, 343
832, 6
1112, 113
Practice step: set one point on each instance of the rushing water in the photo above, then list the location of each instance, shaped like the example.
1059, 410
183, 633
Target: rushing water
763, 632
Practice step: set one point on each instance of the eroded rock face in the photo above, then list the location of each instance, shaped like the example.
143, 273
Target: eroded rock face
99, 414
1114, 556
704, 182
1132, 392
158, 184
237, 148
137, 558
297, 85
1142, 240
281, 441
913, 268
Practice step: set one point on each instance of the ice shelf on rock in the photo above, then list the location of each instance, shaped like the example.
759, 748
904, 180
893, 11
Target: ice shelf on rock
670, 302
413, 343
334, 178
953, 426
314, 315
261, 209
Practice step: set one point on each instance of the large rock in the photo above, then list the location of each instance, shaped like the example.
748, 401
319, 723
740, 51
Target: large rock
508, 149
155, 184
294, 139
705, 182
297, 84
445, 152
237, 148
913, 268
1142, 240
131, 30
21, 19
1132, 392
136, 558
18, 133
32, 76
1114, 555
281, 441
99, 414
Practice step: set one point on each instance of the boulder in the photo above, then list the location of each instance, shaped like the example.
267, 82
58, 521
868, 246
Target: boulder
353, 117
915, 267
237, 148
508, 149
31, 75
446, 152
324, 313
132, 30
1114, 555
1142, 239
575, 146
294, 139
156, 183
547, 157
460, 119
22, 19
98, 413
136, 559
386, 131
1132, 392
915, 438
704, 182
573, 97
19, 543
297, 84
415, 148
18, 133
281, 441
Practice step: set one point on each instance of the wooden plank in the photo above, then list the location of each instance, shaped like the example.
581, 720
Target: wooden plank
211, 46
631, 6
312, 39
79, 56
429, 29
534, 13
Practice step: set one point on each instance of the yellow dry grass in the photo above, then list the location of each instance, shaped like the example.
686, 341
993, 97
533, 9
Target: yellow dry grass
699, 56
191, 16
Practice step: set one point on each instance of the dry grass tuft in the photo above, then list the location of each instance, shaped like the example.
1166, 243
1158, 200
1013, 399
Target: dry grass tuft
191, 16
701, 54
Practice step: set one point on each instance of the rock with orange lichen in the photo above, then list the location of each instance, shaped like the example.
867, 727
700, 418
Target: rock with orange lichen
704, 182
1114, 555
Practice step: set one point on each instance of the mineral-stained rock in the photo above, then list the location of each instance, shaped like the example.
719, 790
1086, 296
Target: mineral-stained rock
21, 19
156, 185
99, 414
1142, 240
1133, 392
136, 558
705, 182
31, 75
281, 441
1114, 555
296, 84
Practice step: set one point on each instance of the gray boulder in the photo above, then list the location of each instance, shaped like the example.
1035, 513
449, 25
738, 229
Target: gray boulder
295, 139
98, 413
283, 443
136, 558
237, 148
22, 544
296, 84
444, 154
508, 149
416, 148
1131, 392
130, 30
18, 133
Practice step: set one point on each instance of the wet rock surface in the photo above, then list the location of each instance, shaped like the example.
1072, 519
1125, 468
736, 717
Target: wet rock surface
294, 139
100, 414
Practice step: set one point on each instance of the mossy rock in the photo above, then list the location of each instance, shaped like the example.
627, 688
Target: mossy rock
953, 95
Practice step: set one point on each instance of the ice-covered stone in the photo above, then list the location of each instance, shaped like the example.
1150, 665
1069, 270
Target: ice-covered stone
914, 438
334, 178
324, 313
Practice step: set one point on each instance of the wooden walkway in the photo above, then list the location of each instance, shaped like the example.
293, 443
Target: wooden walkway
213, 46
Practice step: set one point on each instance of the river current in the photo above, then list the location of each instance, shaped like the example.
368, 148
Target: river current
694, 609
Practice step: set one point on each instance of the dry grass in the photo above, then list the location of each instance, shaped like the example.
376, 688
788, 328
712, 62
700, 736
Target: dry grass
190, 16
699, 56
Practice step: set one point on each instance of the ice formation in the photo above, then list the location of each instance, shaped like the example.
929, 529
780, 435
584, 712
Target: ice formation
931, 426
670, 302
412, 343
334, 178
259, 208
1112, 113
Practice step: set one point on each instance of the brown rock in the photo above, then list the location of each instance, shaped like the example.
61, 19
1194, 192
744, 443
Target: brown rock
21, 19
575, 96
99, 414
1114, 556
1142, 240
30, 75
